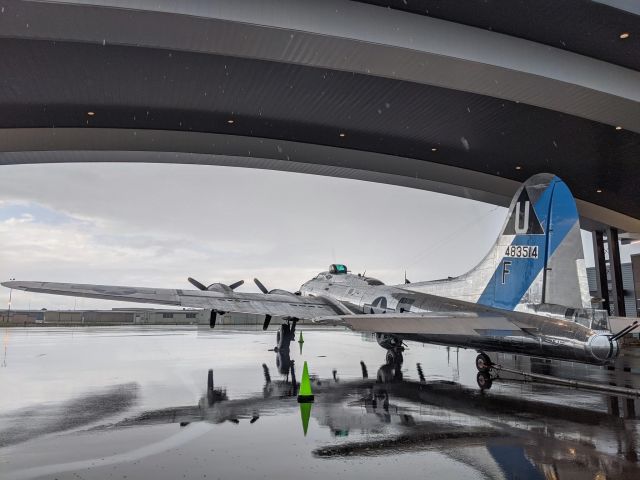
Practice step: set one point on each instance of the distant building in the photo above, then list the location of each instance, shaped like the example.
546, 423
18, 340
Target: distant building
124, 316
631, 288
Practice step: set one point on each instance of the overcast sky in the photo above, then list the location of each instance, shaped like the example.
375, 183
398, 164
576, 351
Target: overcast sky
155, 225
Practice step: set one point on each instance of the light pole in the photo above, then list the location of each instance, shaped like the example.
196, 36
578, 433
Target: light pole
9, 311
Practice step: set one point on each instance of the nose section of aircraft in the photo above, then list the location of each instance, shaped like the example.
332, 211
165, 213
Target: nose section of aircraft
602, 347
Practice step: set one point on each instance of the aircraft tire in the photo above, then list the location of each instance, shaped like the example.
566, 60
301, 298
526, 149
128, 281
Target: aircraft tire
484, 380
394, 357
483, 362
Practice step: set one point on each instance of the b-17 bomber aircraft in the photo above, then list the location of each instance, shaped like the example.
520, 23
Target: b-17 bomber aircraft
529, 295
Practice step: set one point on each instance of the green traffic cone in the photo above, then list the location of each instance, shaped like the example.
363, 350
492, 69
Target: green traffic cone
305, 413
304, 393
301, 340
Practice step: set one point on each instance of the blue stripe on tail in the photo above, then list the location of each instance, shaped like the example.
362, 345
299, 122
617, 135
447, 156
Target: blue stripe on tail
557, 213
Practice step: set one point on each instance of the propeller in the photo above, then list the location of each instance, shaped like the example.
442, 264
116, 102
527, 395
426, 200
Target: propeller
196, 283
235, 285
213, 286
262, 288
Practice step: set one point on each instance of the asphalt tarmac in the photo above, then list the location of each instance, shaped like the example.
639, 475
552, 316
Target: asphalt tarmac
187, 402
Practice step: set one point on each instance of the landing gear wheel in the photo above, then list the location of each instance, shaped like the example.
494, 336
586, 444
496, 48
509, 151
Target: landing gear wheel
283, 337
394, 357
484, 380
483, 362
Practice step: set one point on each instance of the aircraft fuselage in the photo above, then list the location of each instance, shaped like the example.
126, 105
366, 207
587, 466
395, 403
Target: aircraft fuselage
548, 332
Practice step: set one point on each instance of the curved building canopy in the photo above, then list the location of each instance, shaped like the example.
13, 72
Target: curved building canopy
466, 98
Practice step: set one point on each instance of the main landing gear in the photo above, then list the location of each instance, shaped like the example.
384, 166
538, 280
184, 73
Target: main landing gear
286, 334
484, 366
393, 346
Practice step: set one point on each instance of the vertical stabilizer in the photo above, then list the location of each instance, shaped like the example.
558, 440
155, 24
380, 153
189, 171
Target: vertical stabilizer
537, 258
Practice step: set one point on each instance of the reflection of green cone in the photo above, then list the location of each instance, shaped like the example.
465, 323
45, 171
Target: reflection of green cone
301, 344
305, 394
305, 413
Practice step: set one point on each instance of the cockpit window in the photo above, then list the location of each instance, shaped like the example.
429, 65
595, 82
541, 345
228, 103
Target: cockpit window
373, 281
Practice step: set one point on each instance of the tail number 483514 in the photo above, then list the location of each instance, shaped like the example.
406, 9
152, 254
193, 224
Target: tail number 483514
522, 251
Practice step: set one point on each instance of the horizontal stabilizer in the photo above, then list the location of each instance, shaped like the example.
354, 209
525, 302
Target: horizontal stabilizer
441, 323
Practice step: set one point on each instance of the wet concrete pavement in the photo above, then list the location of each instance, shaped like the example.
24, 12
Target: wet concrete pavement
139, 402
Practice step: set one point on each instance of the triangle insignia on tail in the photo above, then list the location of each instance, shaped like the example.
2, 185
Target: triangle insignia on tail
523, 219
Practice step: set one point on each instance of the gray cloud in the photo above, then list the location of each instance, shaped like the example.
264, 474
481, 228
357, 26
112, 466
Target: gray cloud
154, 225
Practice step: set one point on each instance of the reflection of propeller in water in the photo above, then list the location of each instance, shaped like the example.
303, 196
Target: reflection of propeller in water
267, 375
365, 373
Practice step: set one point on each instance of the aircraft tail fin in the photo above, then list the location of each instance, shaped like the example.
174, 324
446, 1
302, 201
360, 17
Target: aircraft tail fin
537, 258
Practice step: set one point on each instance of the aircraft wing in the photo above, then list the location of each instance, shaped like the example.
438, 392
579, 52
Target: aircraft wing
431, 323
275, 304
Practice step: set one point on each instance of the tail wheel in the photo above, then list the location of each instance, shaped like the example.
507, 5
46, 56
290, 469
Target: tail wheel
483, 362
484, 380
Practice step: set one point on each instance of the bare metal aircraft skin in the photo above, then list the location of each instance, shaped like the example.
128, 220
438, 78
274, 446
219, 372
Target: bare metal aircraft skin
529, 295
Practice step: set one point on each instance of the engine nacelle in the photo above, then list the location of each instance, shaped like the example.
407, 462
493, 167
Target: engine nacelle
279, 291
219, 287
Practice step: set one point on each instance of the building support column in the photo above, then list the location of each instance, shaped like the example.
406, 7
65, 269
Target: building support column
615, 270
602, 284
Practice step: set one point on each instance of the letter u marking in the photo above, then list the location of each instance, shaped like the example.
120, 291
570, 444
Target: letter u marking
525, 224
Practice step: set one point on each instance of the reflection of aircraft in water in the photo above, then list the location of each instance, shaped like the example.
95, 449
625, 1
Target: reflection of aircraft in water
529, 295
498, 435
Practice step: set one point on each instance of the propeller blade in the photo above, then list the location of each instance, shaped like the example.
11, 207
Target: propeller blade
233, 286
267, 375
267, 321
196, 283
262, 288
212, 318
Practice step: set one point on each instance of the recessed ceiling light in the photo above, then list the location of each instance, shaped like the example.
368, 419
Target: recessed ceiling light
91, 114
618, 127
434, 149
343, 134
624, 35
230, 121
599, 190
518, 167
